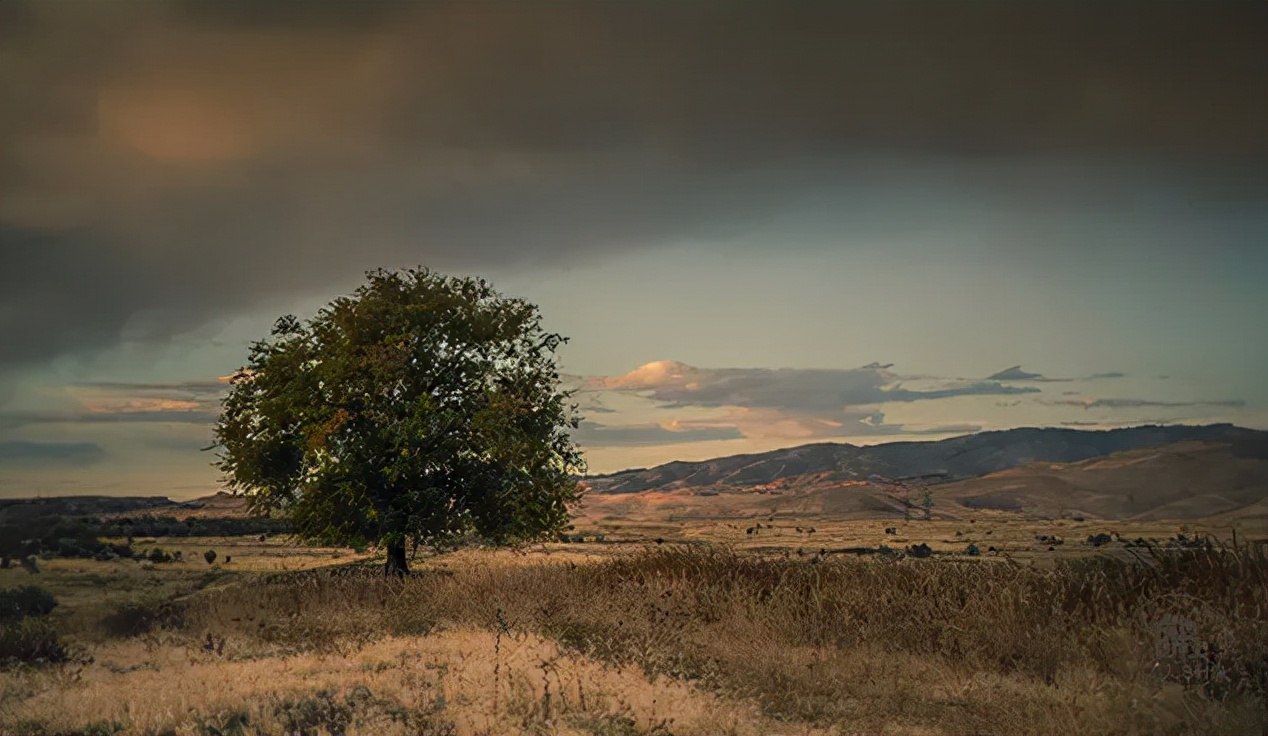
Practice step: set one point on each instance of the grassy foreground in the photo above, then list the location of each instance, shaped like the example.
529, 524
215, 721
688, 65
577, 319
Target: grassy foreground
675, 640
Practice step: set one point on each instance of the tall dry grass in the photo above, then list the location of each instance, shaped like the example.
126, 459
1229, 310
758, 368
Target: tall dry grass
950, 646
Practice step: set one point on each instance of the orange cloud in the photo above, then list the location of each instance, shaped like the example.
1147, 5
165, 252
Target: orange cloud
658, 373
132, 406
174, 125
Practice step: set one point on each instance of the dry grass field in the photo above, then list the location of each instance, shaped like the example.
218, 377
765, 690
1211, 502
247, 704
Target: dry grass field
713, 631
1011, 535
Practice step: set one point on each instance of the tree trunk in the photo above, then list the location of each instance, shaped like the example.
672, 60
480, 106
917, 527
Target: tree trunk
396, 563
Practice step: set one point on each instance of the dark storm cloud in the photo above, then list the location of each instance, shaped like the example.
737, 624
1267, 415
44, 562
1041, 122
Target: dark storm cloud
678, 385
1016, 374
15, 452
165, 163
981, 388
62, 291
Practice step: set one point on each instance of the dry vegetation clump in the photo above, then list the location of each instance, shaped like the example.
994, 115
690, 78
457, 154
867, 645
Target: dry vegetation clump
133, 618
30, 641
26, 636
463, 682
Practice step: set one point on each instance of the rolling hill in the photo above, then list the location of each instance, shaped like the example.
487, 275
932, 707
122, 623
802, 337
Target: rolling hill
958, 458
1141, 473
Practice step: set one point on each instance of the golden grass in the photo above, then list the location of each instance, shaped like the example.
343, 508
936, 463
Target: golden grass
1011, 534
604, 640
473, 681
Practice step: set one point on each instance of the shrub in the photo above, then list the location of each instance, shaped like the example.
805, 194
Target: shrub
30, 641
158, 555
29, 600
308, 715
226, 723
67, 547
134, 619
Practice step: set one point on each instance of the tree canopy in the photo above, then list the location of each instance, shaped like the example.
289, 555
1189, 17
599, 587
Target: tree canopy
420, 407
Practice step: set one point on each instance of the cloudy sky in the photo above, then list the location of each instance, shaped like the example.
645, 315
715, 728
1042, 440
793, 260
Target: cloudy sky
761, 224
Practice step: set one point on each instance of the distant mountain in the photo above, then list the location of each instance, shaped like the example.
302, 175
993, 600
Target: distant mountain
1185, 480
944, 461
84, 505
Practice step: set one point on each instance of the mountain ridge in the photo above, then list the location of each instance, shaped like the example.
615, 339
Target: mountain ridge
941, 461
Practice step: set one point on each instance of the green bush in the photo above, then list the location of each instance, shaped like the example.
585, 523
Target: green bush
29, 641
28, 600
136, 618
323, 711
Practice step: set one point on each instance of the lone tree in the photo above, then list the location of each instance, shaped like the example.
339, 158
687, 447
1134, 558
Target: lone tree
421, 407
926, 503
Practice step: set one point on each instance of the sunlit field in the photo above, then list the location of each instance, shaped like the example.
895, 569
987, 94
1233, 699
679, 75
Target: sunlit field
695, 630
1010, 536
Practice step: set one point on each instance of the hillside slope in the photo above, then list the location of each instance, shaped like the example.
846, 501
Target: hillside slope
1186, 480
1218, 471
958, 458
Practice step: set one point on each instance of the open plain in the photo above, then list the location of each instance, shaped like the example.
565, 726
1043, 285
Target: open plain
652, 627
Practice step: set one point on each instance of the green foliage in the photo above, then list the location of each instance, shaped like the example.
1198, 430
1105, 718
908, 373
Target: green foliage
148, 525
420, 408
13, 536
322, 711
30, 641
28, 600
234, 722
34, 532
136, 618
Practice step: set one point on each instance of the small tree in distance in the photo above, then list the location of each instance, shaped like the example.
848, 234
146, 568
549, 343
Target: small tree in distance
422, 406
